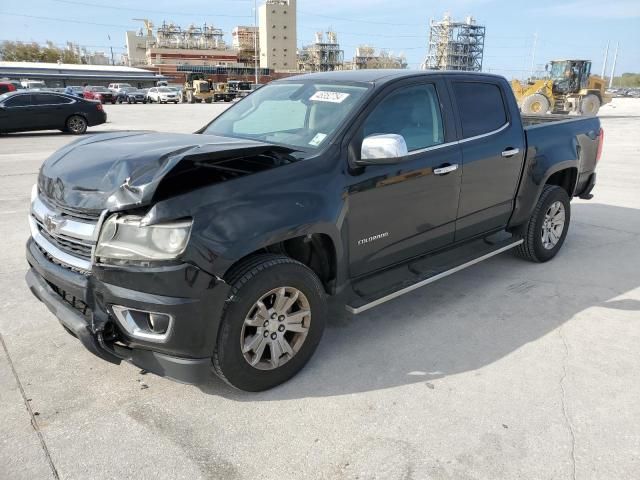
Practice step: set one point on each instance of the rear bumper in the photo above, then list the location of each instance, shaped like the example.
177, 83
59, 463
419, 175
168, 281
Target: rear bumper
83, 303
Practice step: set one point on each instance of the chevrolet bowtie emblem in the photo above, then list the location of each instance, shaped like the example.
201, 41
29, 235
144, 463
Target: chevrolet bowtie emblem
53, 224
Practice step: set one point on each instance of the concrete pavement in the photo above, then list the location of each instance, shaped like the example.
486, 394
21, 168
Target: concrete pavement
533, 371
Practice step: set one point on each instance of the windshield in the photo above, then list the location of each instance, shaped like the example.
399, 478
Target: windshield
559, 70
165, 89
301, 114
99, 89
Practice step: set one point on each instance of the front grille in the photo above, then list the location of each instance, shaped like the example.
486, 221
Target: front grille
79, 214
53, 259
74, 302
73, 246
67, 236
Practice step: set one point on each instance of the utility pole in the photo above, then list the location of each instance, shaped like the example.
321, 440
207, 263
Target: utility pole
255, 39
533, 53
604, 63
613, 67
111, 48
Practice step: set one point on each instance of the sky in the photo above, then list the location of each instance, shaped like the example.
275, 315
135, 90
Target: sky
557, 28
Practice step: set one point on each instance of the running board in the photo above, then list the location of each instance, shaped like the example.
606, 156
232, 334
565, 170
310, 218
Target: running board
424, 277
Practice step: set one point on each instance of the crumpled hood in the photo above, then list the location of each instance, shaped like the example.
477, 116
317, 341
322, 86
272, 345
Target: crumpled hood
123, 169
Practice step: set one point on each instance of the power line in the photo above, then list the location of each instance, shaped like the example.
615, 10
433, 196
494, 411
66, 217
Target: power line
373, 22
112, 7
67, 20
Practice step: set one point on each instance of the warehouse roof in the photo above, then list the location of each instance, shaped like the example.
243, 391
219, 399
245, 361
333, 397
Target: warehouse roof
72, 67
70, 71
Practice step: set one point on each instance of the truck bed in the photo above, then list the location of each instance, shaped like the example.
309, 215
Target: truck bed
564, 138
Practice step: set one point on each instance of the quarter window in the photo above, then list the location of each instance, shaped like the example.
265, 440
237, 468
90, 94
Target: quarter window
413, 112
481, 107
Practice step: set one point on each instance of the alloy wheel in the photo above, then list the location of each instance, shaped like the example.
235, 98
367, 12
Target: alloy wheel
275, 328
553, 225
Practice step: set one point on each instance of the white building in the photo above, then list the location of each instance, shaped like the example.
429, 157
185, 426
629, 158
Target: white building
278, 35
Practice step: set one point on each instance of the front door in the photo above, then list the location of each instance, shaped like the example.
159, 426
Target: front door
17, 114
404, 209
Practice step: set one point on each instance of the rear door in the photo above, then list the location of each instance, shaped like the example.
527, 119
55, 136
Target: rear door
50, 110
492, 144
405, 209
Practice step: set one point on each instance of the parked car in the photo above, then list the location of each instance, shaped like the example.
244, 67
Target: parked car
76, 90
117, 87
23, 111
162, 95
7, 87
33, 85
132, 95
102, 94
223, 248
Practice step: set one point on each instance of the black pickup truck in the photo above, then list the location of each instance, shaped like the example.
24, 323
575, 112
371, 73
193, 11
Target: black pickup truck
220, 250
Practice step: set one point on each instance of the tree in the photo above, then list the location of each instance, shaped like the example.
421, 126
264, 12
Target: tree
32, 52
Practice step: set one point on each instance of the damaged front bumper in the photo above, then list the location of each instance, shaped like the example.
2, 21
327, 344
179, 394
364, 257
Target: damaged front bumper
84, 306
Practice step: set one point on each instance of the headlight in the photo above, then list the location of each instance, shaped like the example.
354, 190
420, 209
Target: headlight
123, 238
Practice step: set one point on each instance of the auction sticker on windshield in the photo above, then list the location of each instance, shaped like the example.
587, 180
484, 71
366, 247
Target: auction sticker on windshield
317, 140
325, 96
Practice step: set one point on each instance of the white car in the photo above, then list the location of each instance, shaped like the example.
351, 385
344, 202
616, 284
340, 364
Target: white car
116, 87
162, 95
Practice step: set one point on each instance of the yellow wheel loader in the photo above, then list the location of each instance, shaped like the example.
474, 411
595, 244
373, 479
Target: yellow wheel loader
569, 88
197, 89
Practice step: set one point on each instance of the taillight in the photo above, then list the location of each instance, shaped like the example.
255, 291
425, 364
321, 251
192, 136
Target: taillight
99, 107
600, 143
11, 87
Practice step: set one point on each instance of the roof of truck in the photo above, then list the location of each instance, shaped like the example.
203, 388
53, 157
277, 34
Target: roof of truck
376, 75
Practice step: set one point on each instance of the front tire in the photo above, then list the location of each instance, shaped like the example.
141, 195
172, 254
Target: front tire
546, 230
536, 104
272, 326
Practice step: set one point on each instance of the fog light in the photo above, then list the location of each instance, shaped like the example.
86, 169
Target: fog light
149, 326
159, 322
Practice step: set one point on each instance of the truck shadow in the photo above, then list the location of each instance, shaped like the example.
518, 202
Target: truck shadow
473, 318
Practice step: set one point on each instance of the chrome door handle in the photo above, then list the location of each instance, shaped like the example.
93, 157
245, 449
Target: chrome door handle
510, 152
445, 170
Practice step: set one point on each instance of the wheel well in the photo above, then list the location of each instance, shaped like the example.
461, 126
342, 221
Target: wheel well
564, 178
315, 250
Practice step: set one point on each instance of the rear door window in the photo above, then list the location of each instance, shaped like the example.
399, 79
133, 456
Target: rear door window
480, 106
49, 99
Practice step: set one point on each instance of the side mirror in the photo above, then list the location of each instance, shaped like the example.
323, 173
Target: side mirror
383, 149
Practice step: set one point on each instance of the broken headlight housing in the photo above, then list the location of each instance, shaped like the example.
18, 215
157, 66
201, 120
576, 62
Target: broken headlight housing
125, 238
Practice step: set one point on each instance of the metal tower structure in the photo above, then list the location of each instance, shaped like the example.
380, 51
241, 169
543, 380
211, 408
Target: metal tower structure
323, 55
455, 45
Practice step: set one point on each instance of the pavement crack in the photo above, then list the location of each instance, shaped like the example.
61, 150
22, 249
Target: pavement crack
34, 422
564, 402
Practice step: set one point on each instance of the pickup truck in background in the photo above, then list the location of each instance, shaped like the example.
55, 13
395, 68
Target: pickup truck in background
220, 250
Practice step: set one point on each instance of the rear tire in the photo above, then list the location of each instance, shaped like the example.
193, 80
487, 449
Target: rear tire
76, 125
589, 105
542, 234
536, 104
247, 341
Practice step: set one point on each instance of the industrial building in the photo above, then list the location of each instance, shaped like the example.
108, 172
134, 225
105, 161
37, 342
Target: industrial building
323, 55
58, 75
170, 45
367, 57
245, 41
455, 45
278, 35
